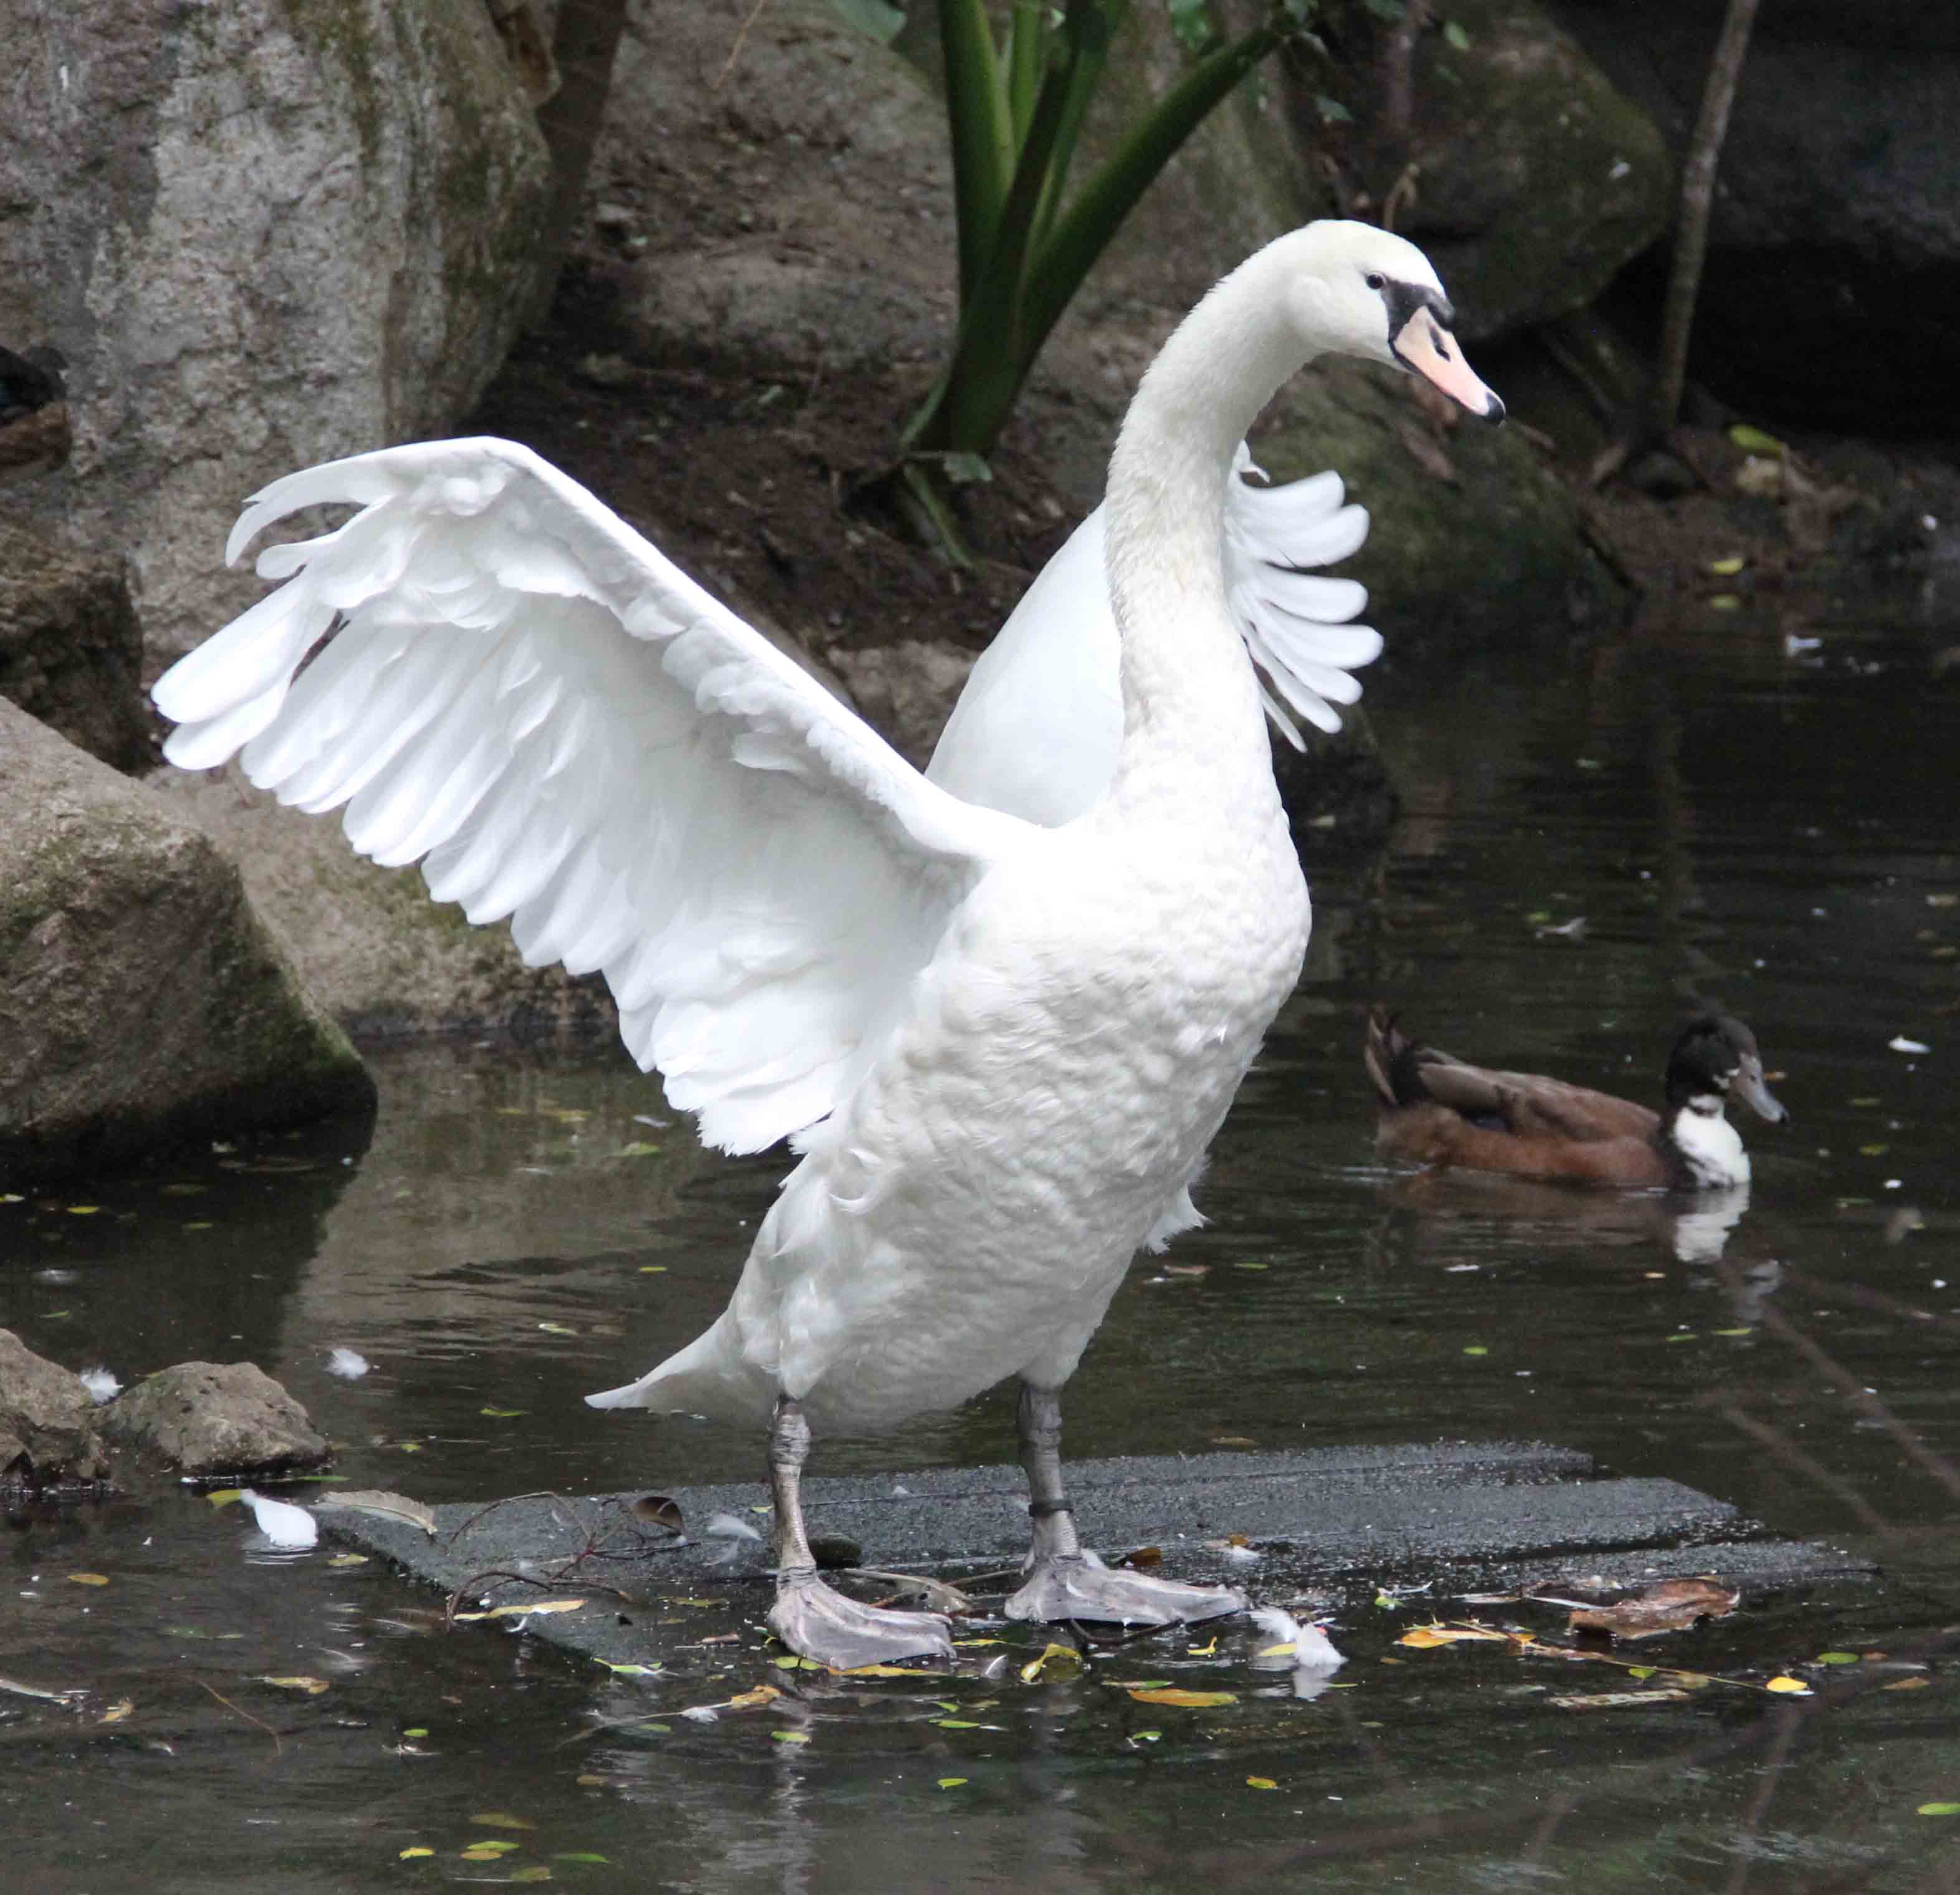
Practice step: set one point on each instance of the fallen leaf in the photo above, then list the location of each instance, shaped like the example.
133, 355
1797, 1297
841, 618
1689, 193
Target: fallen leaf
1907, 1684
87, 1578
877, 1670
1424, 1636
955, 1724
1260, 1783
1753, 441
790, 1737
1727, 568
500, 1820
383, 1505
501, 1414
951, 1783
1618, 1700
1939, 1809
1673, 1605
1837, 1657
1791, 1687
311, 1686
761, 1694
1190, 1700
580, 1856
1057, 1661
557, 1329
409, 1854
348, 1560
536, 1608
121, 1707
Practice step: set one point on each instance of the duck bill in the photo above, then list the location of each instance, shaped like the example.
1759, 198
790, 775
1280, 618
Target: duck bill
1747, 1085
1426, 348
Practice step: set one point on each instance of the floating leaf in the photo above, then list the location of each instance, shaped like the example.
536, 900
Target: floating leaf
631, 1671
557, 1329
1424, 1636
1476, 1349
500, 1820
87, 1578
1907, 1684
409, 1854
955, 1724
951, 1783
761, 1694
311, 1686
1939, 1809
348, 1560
416, 1730
384, 1505
1260, 1783
537, 1607
882, 1671
501, 1414
1672, 1606
1793, 1687
653, 1269
1837, 1657
790, 1737
1725, 602
580, 1856
1753, 441
1727, 568
639, 1149
1056, 1662
537, 1872
1190, 1700
115, 1713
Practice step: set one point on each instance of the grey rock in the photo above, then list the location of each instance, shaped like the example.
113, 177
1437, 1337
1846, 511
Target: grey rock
141, 1000
47, 1419
209, 1417
262, 234
70, 651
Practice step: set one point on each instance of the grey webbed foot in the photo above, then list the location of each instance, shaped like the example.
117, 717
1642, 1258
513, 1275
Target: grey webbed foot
816, 1621
1079, 1586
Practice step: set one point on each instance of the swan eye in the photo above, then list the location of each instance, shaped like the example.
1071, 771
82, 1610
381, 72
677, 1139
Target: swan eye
1375, 280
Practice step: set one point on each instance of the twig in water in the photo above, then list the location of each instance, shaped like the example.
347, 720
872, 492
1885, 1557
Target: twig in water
278, 1748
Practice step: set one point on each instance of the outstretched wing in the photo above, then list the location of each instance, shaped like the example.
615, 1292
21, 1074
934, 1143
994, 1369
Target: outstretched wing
528, 698
1037, 728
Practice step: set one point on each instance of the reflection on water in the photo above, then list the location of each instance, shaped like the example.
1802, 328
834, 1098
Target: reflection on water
513, 1231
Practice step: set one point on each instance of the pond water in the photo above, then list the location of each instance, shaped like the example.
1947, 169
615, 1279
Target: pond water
1733, 824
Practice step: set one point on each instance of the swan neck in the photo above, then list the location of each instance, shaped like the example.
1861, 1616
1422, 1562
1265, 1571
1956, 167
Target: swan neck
1184, 668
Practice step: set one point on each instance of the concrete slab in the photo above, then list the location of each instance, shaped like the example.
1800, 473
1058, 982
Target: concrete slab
1486, 1517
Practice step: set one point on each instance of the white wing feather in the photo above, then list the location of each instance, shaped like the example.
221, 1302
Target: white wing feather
1037, 728
529, 698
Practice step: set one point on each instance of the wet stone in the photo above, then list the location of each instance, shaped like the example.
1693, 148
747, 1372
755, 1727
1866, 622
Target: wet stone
210, 1418
47, 1420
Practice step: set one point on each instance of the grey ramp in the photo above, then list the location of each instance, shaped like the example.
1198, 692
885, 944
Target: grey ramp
1462, 1517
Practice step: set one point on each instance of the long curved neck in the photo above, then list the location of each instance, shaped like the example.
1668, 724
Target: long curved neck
1189, 693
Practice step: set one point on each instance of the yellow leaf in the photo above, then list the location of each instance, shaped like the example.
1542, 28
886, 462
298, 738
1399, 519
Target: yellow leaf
348, 1560
1424, 1636
1202, 1651
761, 1694
790, 1737
491, 1849
311, 1686
537, 1607
1794, 1686
1904, 1684
1725, 602
1753, 441
1260, 1783
121, 1707
409, 1854
1283, 1650
87, 1578
878, 1670
1190, 1700
951, 1783
537, 1872
1727, 568
83, 1210
500, 1820
1057, 1661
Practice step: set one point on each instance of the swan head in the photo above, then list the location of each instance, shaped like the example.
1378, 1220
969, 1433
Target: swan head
1366, 292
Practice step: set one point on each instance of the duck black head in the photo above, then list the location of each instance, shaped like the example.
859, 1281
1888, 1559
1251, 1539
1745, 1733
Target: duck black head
1716, 1058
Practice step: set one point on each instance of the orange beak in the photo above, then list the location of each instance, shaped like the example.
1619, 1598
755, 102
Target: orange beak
1427, 347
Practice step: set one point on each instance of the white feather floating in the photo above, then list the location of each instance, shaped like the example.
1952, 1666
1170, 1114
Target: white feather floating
1313, 1650
350, 1364
285, 1525
102, 1386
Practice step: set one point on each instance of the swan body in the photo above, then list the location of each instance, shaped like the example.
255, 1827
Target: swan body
1439, 1111
1003, 1044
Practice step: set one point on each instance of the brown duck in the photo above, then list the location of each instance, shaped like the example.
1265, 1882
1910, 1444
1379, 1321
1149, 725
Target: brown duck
1435, 1110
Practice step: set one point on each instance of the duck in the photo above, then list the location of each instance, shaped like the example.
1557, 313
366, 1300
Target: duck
1000, 1047
1437, 1110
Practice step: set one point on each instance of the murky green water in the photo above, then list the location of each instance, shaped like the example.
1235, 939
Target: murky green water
1733, 825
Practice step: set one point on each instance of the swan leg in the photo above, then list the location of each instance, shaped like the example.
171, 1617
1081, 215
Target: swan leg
816, 1620
1065, 1583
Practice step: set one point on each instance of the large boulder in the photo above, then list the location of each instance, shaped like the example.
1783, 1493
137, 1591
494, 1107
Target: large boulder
70, 650
262, 234
1831, 289
141, 1000
1535, 179
47, 1420
215, 1418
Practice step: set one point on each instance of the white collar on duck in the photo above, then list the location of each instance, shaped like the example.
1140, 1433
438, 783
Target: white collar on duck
1710, 1146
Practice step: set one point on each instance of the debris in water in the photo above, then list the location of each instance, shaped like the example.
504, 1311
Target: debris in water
281, 1522
349, 1363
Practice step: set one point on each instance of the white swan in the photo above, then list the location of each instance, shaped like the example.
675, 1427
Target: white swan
1005, 1046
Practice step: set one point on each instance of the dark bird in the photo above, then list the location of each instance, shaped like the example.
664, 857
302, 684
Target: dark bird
1436, 1110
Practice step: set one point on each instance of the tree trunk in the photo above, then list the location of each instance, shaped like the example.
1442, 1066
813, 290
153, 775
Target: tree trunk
583, 45
1697, 195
